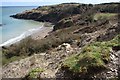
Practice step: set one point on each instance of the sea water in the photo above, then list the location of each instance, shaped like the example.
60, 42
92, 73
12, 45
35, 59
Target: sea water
13, 30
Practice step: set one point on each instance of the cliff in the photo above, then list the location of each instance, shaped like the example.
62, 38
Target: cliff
67, 13
85, 42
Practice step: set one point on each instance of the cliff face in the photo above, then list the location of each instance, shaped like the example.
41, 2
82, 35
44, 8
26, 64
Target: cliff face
50, 13
85, 42
63, 15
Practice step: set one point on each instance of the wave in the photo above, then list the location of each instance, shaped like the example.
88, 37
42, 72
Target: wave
22, 36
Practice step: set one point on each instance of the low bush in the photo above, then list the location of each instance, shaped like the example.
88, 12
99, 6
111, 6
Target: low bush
92, 58
34, 73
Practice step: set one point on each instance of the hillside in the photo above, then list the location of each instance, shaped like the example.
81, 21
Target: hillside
85, 42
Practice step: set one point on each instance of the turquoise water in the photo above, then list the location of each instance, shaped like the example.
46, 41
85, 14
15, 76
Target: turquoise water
11, 27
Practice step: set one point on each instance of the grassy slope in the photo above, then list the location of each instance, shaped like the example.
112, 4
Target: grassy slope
93, 56
104, 15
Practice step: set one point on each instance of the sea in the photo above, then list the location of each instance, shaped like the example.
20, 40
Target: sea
13, 30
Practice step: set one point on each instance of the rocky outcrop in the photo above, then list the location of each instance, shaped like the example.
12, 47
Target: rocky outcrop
113, 66
49, 62
111, 32
111, 72
63, 15
52, 13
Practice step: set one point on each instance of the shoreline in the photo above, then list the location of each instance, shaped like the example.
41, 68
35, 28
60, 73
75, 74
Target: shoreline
35, 33
44, 31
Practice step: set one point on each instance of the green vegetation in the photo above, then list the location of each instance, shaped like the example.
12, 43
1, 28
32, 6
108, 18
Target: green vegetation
0, 58
28, 46
0, 51
8, 60
92, 58
17, 51
104, 16
35, 72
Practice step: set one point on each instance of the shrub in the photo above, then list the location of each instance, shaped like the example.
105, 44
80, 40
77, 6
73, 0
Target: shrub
28, 46
92, 58
34, 73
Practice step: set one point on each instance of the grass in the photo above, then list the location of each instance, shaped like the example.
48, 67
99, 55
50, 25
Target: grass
0, 58
104, 15
8, 60
35, 72
92, 58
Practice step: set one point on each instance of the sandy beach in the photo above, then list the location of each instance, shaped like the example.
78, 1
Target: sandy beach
41, 33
